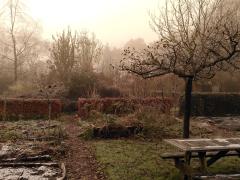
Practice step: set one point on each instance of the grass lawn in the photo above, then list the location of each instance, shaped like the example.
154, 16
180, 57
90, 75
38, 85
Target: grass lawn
139, 157
132, 159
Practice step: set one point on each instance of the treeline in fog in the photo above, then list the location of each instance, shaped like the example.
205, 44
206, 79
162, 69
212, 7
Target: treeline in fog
75, 63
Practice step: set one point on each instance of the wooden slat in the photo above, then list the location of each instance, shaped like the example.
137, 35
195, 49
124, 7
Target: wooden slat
218, 176
195, 145
180, 155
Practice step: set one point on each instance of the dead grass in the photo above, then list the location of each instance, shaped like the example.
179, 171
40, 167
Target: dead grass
155, 125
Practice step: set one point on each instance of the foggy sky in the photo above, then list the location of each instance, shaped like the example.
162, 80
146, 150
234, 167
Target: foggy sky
113, 21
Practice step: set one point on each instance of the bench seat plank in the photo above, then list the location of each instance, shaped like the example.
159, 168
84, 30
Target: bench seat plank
197, 145
180, 155
218, 177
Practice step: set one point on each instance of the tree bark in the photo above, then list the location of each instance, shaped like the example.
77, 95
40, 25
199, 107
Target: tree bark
187, 112
13, 15
15, 61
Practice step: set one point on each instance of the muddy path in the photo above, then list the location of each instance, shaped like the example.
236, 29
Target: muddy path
80, 161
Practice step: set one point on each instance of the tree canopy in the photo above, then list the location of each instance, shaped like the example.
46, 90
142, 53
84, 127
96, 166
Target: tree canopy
197, 38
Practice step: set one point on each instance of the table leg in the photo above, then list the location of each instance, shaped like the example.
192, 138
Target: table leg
219, 155
203, 163
187, 173
238, 150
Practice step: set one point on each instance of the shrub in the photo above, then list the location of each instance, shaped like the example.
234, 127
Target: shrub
88, 134
5, 83
109, 92
120, 106
155, 124
81, 85
69, 106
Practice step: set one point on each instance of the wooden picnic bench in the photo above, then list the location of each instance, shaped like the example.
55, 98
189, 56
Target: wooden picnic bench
208, 151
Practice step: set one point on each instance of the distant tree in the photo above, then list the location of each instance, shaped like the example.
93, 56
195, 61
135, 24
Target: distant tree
227, 82
74, 52
197, 39
63, 52
138, 43
106, 61
88, 51
19, 38
36, 60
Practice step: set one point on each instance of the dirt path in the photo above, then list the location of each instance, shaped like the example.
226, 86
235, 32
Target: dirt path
80, 161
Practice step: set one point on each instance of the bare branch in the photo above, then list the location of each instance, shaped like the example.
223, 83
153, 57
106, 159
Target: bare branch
197, 38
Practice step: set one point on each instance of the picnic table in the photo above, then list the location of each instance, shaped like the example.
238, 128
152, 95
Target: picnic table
208, 151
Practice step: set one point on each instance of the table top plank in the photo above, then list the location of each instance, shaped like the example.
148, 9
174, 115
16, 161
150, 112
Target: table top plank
196, 145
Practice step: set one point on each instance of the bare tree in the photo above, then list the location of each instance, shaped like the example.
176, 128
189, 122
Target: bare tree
88, 50
106, 61
197, 38
16, 20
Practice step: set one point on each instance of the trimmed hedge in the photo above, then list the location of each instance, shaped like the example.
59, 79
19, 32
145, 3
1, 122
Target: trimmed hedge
69, 106
29, 108
213, 104
120, 105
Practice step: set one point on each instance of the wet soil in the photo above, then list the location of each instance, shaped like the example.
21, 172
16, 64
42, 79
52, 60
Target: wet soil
80, 161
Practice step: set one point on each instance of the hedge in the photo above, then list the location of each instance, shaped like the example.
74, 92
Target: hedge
120, 105
69, 106
213, 104
29, 108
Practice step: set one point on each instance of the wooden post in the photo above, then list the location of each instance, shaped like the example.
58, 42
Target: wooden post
203, 163
187, 111
49, 116
219, 155
188, 170
49, 110
49, 113
5, 109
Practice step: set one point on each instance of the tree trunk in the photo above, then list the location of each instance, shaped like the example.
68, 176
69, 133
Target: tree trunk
187, 112
15, 59
13, 13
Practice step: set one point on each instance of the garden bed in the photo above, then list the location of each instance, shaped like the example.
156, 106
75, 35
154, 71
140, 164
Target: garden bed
30, 149
18, 163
